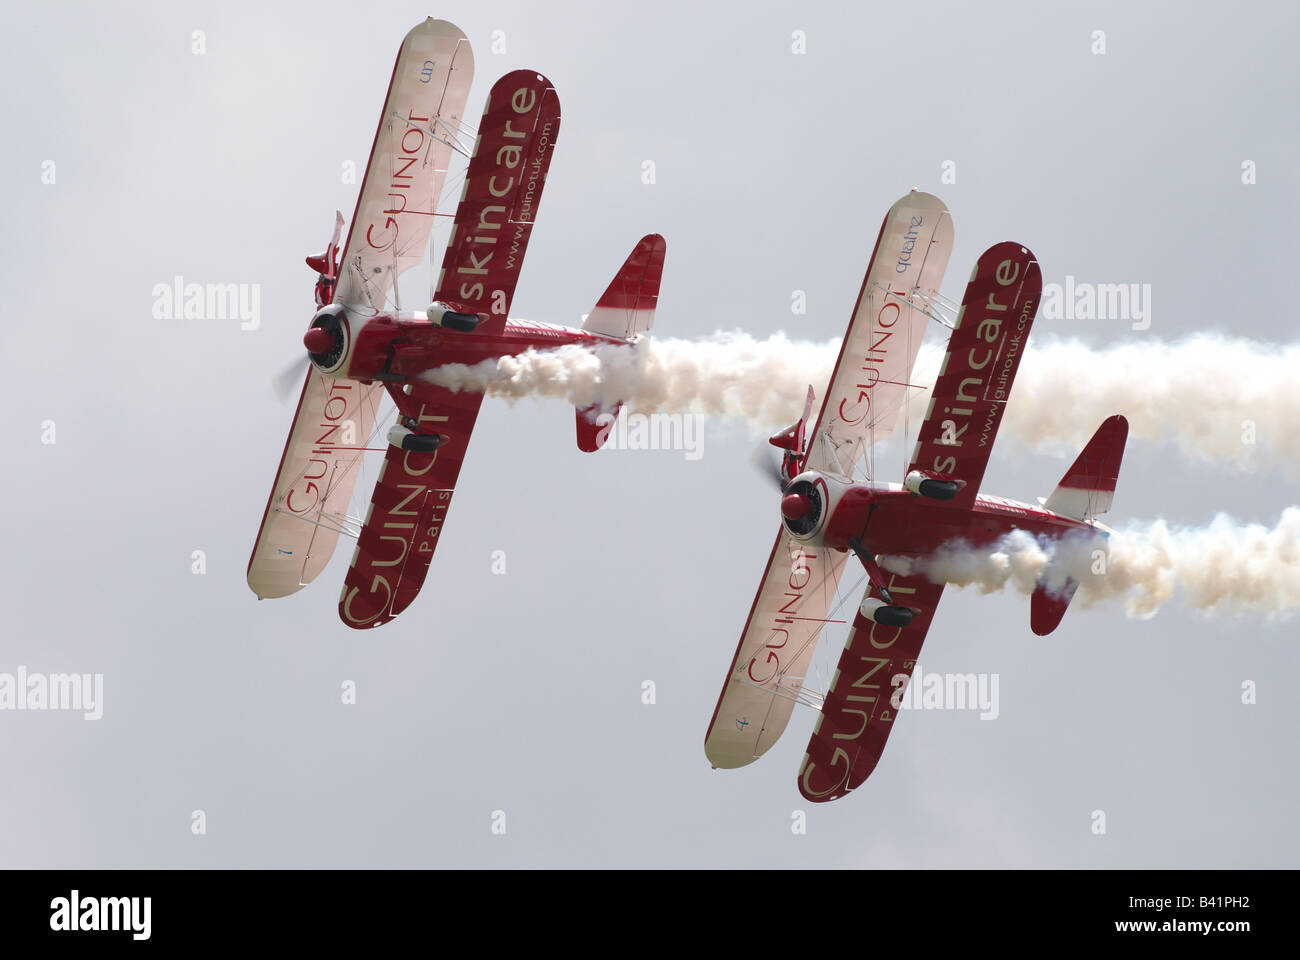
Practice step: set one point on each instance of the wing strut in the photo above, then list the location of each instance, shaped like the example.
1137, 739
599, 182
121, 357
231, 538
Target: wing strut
935, 305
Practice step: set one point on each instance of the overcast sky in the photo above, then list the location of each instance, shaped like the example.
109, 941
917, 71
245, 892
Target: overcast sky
522, 692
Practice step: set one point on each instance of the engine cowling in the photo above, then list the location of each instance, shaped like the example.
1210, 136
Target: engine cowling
351, 342
329, 339
361, 343
823, 509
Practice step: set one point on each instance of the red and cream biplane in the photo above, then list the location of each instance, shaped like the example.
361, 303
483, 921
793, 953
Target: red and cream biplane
362, 346
828, 515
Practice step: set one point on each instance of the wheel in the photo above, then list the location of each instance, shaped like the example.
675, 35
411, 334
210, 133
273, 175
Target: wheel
421, 442
938, 489
893, 616
460, 322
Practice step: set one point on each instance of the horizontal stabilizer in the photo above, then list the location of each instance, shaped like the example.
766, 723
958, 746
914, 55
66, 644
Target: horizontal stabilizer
594, 426
1046, 609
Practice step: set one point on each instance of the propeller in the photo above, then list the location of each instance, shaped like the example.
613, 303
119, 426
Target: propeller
290, 378
768, 463
321, 340
794, 506
316, 340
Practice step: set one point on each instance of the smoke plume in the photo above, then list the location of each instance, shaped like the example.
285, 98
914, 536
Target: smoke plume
728, 375
1214, 397
1225, 567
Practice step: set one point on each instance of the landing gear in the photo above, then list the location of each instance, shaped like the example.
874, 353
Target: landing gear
885, 614
411, 431
922, 485
874, 573
404, 438
460, 322
883, 610
422, 442
440, 315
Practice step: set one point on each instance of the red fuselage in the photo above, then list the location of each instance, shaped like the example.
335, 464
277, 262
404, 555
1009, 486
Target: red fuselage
885, 518
899, 522
402, 346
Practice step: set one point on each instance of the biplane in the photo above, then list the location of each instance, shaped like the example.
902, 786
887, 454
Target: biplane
827, 515
362, 347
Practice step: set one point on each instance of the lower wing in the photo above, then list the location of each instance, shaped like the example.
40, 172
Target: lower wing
308, 505
480, 268
408, 508
862, 703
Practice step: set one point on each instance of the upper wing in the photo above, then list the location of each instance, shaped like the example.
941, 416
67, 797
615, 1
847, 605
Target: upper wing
494, 221
313, 485
864, 697
778, 641
975, 379
408, 162
870, 381
407, 510
503, 186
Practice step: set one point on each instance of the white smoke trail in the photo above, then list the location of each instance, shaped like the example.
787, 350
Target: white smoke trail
1216, 398
729, 374
1225, 567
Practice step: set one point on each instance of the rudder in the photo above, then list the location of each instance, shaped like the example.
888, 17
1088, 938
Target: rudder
1085, 492
1088, 487
625, 310
627, 307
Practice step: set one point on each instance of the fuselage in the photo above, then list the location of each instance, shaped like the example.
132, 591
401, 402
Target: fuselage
887, 518
399, 346
899, 522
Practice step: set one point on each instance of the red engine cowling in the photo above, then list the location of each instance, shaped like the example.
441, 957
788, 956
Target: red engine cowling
345, 342
825, 510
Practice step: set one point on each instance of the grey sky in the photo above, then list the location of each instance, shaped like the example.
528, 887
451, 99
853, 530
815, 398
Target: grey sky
521, 692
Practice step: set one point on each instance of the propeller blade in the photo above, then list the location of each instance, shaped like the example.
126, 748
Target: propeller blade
768, 464
290, 378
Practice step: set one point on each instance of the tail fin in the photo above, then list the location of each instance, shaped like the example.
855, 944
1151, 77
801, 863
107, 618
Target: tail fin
626, 310
628, 305
1088, 487
1085, 492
